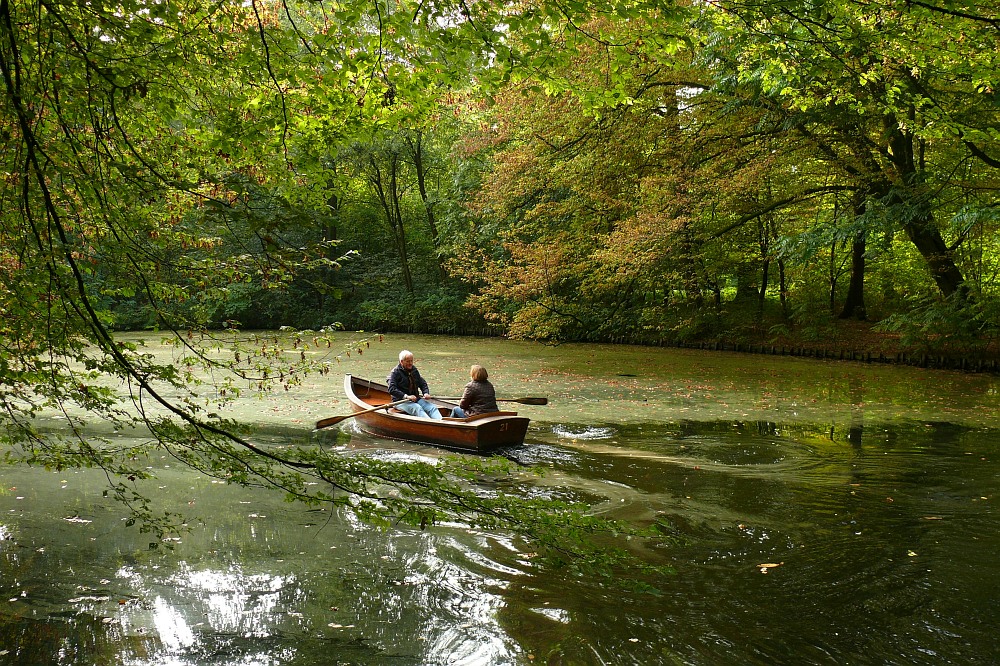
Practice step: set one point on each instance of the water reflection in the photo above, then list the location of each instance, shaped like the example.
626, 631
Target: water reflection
783, 531
844, 539
172, 628
812, 520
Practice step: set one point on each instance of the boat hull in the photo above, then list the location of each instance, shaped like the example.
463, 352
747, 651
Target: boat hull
478, 434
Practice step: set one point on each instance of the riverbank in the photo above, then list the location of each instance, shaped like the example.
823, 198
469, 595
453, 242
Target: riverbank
837, 340
860, 341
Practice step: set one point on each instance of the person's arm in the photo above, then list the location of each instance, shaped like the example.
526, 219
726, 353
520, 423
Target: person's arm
467, 397
422, 385
393, 383
489, 399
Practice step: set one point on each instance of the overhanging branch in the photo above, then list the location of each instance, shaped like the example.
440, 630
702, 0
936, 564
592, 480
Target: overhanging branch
781, 203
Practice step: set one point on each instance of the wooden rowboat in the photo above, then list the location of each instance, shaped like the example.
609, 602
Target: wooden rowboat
478, 434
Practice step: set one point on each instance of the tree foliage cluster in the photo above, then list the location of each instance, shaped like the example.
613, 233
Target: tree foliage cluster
194, 168
555, 170
763, 164
589, 172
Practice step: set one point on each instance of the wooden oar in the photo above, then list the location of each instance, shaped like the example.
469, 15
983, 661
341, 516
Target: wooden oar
334, 420
523, 401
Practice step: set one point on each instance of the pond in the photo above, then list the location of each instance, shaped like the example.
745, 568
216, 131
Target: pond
822, 513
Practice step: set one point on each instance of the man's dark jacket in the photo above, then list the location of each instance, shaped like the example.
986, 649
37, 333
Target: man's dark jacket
402, 383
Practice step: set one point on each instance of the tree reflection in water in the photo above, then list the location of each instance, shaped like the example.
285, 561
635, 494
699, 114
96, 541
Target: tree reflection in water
869, 489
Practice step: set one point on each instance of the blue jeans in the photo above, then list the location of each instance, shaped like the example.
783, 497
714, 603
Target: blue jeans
458, 413
420, 408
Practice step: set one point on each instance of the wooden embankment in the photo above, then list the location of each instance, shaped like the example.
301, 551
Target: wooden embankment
962, 363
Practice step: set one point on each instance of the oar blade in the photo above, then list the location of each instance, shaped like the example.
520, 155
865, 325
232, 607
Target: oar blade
333, 420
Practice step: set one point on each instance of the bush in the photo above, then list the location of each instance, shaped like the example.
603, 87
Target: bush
962, 323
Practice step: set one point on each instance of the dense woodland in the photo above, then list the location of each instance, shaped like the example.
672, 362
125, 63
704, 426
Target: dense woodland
712, 171
554, 170
591, 172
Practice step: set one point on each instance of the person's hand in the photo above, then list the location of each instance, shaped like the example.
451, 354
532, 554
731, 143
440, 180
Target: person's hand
412, 398
426, 396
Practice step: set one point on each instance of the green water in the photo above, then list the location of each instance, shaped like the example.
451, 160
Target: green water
868, 491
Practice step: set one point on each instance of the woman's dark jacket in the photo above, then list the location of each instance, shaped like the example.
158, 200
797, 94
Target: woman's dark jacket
479, 398
402, 383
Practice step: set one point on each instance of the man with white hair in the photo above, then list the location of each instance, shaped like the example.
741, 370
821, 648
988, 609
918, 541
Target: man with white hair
405, 382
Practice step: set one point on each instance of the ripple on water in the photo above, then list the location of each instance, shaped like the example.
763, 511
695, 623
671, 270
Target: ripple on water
582, 432
738, 453
538, 453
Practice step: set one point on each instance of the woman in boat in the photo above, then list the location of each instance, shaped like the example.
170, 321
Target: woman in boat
479, 396
405, 382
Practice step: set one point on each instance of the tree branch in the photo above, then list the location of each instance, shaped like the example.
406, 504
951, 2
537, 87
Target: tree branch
775, 205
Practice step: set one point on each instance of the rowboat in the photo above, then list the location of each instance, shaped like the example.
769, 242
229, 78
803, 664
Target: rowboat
477, 434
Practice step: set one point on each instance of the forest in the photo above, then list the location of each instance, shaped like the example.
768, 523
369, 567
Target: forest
636, 171
567, 170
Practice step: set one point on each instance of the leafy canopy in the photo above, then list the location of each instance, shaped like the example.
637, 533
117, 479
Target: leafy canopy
163, 151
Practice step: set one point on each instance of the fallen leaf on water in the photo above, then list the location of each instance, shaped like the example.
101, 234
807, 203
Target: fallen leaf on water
911, 553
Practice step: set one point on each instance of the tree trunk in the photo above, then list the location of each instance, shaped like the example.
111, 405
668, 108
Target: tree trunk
333, 203
388, 196
762, 294
401, 234
927, 238
764, 230
417, 152
782, 288
833, 275
919, 223
746, 283
330, 227
854, 306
